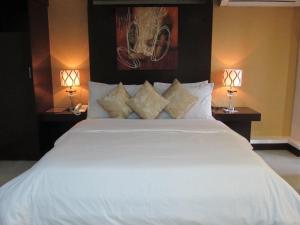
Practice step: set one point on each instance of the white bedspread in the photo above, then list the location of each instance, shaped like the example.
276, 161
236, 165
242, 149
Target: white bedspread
149, 172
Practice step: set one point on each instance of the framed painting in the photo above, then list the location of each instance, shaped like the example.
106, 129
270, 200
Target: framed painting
147, 38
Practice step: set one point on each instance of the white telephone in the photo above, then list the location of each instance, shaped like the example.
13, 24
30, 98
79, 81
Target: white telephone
79, 108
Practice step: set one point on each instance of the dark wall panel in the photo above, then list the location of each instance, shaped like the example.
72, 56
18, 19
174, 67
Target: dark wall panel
40, 53
18, 132
194, 56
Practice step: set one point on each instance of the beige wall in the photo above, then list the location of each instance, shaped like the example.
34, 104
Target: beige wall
296, 115
261, 41
296, 112
69, 45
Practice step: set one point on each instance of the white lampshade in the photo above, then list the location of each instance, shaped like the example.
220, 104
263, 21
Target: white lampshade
69, 78
232, 77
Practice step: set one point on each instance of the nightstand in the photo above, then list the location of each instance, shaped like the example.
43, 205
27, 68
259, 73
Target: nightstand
239, 121
54, 124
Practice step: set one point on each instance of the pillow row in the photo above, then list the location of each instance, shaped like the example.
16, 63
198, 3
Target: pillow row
147, 103
177, 100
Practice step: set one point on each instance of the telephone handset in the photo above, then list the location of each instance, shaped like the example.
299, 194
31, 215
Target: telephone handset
79, 108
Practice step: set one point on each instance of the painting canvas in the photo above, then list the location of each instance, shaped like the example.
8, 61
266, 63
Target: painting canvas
147, 38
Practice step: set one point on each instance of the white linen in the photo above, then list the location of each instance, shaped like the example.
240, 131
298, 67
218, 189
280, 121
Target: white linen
202, 108
97, 91
142, 172
164, 86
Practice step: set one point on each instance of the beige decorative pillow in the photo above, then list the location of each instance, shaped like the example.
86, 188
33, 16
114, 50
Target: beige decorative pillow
181, 101
115, 102
147, 103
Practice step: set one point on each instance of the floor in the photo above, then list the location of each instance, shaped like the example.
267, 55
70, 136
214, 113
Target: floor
283, 162
11, 169
286, 164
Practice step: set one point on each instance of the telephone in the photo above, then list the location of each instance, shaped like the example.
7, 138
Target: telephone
79, 108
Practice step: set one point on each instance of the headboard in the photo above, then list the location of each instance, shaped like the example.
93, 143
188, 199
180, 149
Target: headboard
194, 45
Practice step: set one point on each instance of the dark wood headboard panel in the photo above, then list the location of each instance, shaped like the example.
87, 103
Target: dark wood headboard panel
194, 52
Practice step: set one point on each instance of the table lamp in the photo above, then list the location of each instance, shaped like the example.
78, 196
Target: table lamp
232, 78
70, 79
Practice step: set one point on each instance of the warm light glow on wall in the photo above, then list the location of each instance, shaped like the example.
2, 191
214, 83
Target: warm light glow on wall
69, 78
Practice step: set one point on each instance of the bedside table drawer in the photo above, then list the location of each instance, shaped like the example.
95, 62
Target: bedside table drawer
237, 117
61, 117
242, 128
239, 121
53, 125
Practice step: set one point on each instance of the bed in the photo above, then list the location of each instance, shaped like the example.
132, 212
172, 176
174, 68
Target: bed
155, 172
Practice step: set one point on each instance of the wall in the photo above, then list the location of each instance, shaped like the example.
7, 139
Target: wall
69, 47
296, 112
261, 41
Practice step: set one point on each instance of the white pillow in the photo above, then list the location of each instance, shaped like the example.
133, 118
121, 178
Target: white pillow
202, 108
98, 91
162, 87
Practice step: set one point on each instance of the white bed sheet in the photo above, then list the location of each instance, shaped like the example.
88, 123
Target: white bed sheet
149, 172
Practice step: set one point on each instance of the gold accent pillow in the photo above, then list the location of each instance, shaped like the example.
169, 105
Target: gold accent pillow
181, 101
115, 102
147, 103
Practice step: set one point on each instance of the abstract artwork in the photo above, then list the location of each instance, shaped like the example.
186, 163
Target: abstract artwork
147, 38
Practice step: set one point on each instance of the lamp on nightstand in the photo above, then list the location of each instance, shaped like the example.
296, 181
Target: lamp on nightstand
70, 79
232, 78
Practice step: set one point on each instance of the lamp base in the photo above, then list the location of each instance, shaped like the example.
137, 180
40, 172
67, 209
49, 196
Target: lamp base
71, 92
227, 110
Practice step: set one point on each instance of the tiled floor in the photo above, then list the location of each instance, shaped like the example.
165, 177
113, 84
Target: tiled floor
11, 169
283, 162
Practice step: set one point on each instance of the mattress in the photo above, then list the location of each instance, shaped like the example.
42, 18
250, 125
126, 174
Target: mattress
149, 172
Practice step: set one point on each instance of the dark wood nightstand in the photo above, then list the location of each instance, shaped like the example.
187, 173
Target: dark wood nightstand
239, 121
54, 124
